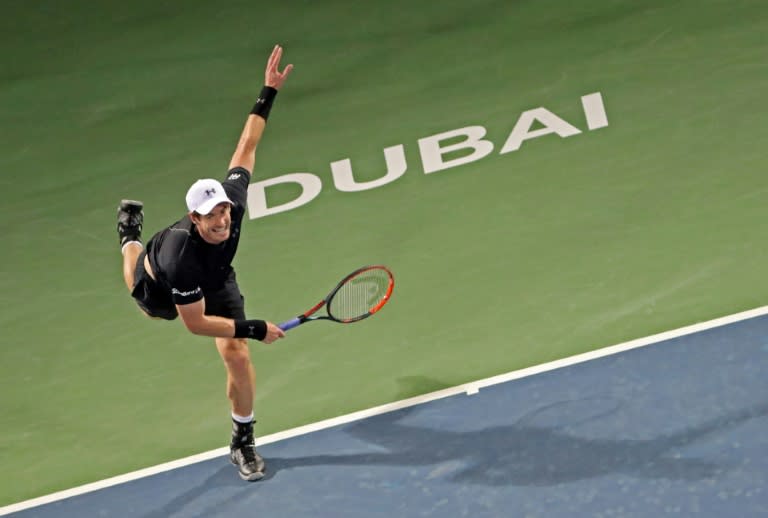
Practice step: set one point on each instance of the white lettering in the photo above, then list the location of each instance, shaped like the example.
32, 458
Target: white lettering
344, 181
594, 111
257, 196
522, 130
432, 153
185, 293
465, 145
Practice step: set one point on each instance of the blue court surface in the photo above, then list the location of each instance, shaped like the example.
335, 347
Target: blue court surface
675, 427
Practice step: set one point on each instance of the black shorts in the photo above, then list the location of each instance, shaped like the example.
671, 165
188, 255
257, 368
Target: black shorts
156, 301
149, 295
226, 302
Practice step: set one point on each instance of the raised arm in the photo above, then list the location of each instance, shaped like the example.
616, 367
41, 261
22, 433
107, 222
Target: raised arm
245, 153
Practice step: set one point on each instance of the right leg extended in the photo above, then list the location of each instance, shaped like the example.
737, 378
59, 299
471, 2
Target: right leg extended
241, 383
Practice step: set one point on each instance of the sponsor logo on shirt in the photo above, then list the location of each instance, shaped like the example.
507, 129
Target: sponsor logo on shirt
174, 291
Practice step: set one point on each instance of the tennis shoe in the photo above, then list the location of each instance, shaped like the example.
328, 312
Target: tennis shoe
130, 220
250, 464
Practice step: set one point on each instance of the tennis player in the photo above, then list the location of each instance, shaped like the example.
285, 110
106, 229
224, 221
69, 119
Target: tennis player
186, 269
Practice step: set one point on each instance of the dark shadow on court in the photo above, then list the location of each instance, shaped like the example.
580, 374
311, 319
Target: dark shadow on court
520, 454
523, 454
188, 501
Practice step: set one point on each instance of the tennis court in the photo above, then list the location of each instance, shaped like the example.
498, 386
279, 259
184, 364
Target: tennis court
531, 223
638, 429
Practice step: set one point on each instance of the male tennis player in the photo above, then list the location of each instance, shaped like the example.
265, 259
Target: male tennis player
186, 270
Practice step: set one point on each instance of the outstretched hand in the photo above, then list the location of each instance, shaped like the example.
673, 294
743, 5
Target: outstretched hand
272, 76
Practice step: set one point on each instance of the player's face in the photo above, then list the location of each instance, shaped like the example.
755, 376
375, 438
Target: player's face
214, 226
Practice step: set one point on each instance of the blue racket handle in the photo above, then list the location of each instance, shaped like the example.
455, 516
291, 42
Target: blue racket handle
289, 324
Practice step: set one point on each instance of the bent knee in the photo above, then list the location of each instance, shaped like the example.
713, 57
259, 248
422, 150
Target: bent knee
232, 343
234, 351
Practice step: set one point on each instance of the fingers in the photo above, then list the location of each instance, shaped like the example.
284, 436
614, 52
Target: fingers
273, 333
272, 76
270, 338
274, 58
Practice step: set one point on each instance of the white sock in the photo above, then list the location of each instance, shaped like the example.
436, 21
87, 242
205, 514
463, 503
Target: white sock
122, 249
242, 419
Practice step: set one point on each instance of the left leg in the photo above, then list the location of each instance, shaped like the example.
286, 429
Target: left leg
130, 220
131, 252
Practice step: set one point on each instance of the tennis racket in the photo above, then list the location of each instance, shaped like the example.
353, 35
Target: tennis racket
359, 295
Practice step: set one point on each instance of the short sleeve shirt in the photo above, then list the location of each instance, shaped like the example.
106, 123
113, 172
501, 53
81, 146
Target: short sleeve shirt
186, 265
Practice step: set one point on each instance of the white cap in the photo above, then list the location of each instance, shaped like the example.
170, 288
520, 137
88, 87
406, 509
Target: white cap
204, 195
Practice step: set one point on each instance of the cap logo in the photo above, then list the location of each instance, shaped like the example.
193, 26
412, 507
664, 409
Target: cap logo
210, 192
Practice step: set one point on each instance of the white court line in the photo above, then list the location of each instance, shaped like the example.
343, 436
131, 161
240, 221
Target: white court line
471, 388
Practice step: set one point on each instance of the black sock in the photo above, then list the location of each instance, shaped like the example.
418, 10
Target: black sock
242, 433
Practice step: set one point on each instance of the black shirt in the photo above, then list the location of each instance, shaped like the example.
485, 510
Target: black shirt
186, 265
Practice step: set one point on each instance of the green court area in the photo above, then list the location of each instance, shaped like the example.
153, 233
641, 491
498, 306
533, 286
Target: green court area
570, 242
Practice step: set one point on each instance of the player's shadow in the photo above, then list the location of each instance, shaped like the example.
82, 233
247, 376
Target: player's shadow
522, 454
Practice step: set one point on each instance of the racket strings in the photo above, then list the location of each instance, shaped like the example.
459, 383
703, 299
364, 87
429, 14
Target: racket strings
359, 294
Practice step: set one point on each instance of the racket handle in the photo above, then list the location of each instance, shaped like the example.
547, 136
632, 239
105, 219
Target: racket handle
289, 324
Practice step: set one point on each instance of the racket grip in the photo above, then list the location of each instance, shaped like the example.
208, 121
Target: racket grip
289, 324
